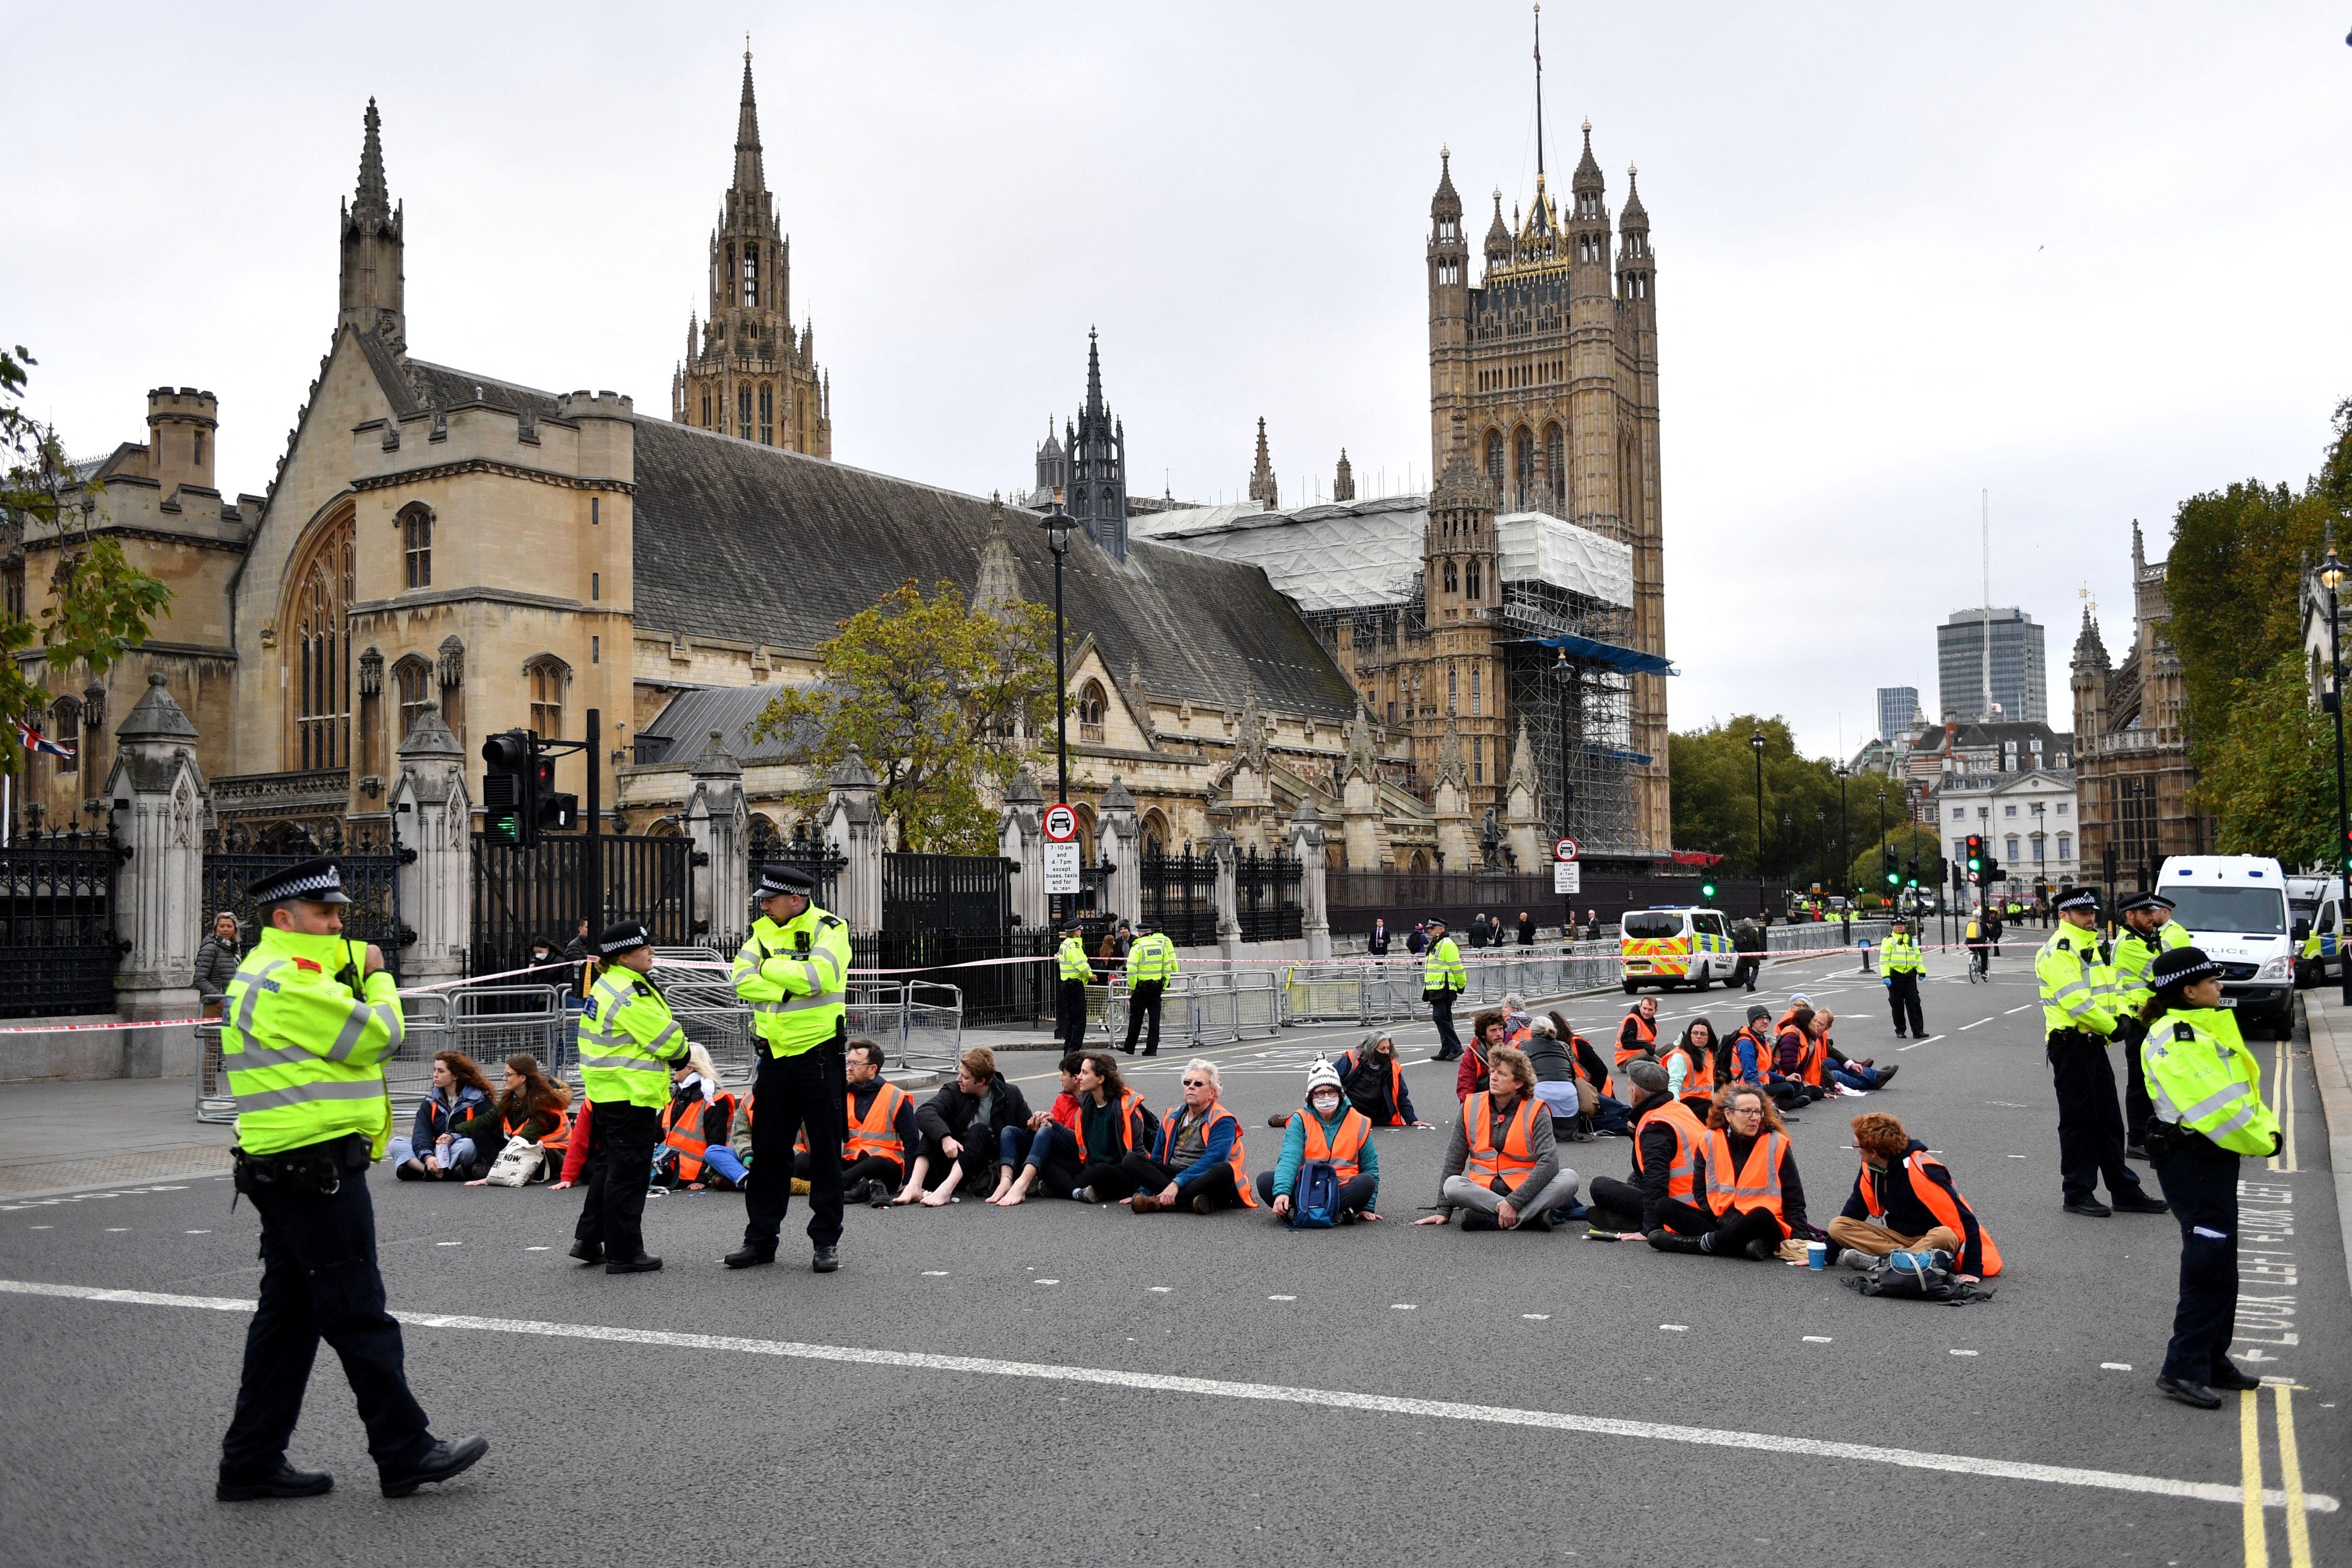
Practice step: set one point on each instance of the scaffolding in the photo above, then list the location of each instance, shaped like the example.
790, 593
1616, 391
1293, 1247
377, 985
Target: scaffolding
1578, 714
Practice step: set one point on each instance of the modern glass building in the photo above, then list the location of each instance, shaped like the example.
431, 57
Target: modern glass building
1897, 707
2021, 684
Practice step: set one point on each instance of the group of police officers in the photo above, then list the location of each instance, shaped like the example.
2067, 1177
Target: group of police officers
311, 1017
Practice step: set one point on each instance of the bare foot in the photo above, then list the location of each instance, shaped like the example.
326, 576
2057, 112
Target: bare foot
906, 1197
935, 1200
1010, 1200
483, 1183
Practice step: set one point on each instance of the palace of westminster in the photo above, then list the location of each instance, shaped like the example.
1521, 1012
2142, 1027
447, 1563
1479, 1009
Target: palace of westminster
1405, 667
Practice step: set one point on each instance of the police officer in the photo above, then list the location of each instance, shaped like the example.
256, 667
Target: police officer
306, 1025
2208, 1092
1443, 979
2137, 946
1074, 969
1904, 965
2169, 932
794, 969
1150, 965
2078, 1012
628, 1043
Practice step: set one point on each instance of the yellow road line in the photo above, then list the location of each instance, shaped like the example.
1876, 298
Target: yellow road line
2250, 1463
2298, 1529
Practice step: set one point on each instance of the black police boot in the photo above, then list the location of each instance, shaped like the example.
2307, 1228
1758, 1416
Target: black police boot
2140, 1203
2188, 1393
283, 1481
2091, 1206
825, 1261
643, 1263
2229, 1377
588, 1251
750, 1257
439, 1463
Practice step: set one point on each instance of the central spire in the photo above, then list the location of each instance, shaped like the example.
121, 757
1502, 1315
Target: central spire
1094, 375
1539, 150
375, 198
750, 177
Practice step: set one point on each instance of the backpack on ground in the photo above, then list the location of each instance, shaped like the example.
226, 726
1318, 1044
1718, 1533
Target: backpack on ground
1315, 1201
1919, 1276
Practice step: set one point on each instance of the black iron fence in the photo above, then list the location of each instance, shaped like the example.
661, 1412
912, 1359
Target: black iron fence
57, 947
1355, 898
522, 893
370, 858
1180, 894
1265, 897
993, 992
946, 892
811, 854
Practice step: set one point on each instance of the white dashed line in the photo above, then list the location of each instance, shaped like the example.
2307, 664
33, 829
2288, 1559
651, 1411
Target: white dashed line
1964, 1352
2021, 1009
1674, 1328
1399, 1306
1912, 1046
1537, 1317
45, 1227
199, 1233
1968, 1026
934, 1273
2114, 1366
1817, 1338
1282, 1298
1045, 1281
535, 1250
116, 1230
448, 1244
1161, 1289
2017, 1156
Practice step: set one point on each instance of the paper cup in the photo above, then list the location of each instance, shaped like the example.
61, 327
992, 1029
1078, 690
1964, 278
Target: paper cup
1817, 1255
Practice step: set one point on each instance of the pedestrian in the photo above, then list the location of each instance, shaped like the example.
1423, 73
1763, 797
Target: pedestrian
309, 1020
1527, 929
628, 1046
1074, 970
1443, 979
1151, 964
794, 969
2208, 1092
217, 960
1478, 931
1992, 929
1905, 967
2136, 950
1747, 941
1592, 925
1416, 942
1377, 944
582, 953
2077, 1002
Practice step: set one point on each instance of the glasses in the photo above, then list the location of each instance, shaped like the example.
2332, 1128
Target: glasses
1196, 1083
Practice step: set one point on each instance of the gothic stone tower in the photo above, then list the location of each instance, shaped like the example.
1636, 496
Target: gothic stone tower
744, 371
1096, 450
1551, 363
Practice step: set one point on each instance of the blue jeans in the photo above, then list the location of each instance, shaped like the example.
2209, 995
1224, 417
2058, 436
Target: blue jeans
720, 1161
1012, 1146
1856, 1077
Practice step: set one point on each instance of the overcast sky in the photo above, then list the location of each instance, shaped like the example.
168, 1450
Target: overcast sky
2090, 258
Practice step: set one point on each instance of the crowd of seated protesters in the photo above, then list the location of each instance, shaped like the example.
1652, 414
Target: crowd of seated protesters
1755, 1053
1501, 1164
1728, 1188
1197, 1159
1903, 1199
879, 1128
963, 1127
695, 1126
1084, 1159
1373, 1081
1326, 1128
441, 1144
1854, 1074
531, 1107
1018, 1149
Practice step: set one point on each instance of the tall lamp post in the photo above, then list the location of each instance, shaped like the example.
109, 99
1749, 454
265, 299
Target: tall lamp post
1845, 841
1882, 841
1057, 524
1756, 742
1822, 842
2331, 572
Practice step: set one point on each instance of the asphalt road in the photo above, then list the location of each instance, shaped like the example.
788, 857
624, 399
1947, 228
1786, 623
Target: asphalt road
979, 1387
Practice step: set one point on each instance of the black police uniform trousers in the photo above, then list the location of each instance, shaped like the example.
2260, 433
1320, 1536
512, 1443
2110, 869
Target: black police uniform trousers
2139, 1110
1143, 1003
790, 1093
2201, 1181
1070, 1015
1903, 1001
1441, 1013
319, 1281
2090, 1127
621, 1138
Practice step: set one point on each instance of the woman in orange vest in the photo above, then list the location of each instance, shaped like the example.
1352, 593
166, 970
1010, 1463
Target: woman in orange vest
1845, 1071
699, 1116
1081, 1158
532, 1109
1196, 1161
1326, 1128
1753, 1200
1904, 1197
1689, 1065
1501, 1164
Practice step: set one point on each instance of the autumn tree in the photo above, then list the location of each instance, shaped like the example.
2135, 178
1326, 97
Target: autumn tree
2274, 785
945, 703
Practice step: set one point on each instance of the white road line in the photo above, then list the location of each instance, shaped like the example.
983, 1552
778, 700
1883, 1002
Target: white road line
1401, 1306
1282, 1298
2114, 1366
1912, 1046
2021, 1009
2230, 1495
1674, 1328
1964, 1352
1973, 1026
934, 1273
190, 1233
1817, 1338
1537, 1317
1163, 1289
532, 1249
1045, 1281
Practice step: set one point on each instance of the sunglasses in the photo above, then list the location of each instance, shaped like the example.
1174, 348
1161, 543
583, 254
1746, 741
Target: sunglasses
1196, 1083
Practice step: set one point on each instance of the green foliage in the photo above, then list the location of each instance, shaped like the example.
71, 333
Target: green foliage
2273, 786
942, 701
1904, 843
1714, 772
100, 606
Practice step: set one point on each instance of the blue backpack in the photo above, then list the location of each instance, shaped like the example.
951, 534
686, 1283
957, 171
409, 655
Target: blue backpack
1315, 1202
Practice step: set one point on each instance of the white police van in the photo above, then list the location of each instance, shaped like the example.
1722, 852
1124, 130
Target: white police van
2236, 908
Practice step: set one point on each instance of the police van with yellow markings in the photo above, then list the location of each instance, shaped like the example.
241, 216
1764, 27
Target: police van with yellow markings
1667, 947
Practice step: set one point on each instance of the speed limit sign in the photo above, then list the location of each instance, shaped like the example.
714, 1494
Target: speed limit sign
1061, 824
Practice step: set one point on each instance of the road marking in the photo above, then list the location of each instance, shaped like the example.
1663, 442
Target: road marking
2298, 1529
1322, 1398
1817, 1338
1399, 1306
535, 1250
2017, 1156
45, 1227
1156, 1289
1282, 1298
934, 1273
1537, 1317
1964, 1352
2014, 1010
2114, 1366
448, 1244
1912, 1046
1964, 1028
190, 1233
117, 1229
1045, 1281
1674, 1328
2256, 1530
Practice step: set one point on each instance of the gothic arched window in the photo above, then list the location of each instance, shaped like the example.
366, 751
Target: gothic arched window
1471, 584
416, 542
1091, 703
767, 415
1495, 456
706, 410
751, 277
65, 727
413, 678
548, 676
743, 412
1452, 582
1555, 457
320, 681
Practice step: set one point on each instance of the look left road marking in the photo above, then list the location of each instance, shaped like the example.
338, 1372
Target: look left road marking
1323, 1398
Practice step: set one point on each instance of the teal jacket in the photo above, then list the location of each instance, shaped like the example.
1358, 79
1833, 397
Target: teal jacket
1294, 1153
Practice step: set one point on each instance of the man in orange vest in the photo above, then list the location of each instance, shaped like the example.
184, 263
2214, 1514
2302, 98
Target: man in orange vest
1501, 1164
1638, 1034
1904, 1198
880, 1129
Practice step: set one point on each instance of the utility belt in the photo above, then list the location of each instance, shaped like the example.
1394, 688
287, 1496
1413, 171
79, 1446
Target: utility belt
2166, 1139
2076, 1037
314, 1170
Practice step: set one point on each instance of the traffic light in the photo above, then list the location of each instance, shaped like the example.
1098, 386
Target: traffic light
1893, 878
2348, 850
1992, 871
1911, 871
1706, 888
509, 789
1976, 858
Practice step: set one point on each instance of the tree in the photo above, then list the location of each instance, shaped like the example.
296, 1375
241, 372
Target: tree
943, 701
1905, 842
1714, 772
99, 607
2273, 786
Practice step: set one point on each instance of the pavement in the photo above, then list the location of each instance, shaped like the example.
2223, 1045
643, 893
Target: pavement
1058, 1384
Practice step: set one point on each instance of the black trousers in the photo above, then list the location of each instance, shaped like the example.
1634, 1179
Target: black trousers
1732, 1233
1620, 1200
2201, 1180
1060, 1170
1143, 1003
2139, 1110
319, 1281
1151, 1177
2090, 1127
866, 1168
793, 1093
1070, 1015
1355, 1193
1441, 1013
1903, 1001
621, 1142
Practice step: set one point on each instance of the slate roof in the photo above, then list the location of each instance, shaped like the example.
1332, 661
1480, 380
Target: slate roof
689, 717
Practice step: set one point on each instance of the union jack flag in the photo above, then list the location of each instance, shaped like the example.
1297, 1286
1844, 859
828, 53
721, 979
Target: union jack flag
35, 743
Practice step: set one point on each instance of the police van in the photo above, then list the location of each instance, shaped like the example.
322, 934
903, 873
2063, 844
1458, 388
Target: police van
1666, 947
2316, 905
2236, 908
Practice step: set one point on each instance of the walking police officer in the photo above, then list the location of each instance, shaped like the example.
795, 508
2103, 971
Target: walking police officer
794, 969
2078, 1010
2208, 1093
1903, 966
1443, 979
306, 1025
1150, 965
628, 1045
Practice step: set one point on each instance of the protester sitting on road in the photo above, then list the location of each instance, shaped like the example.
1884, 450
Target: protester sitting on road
1689, 1065
1197, 1157
1609, 1115
1663, 1192
1754, 1054
434, 1150
1326, 1128
530, 1108
697, 1121
217, 957
1754, 1201
1486, 1040
1084, 1159
1373, 1081
878, 1131
575, 1147
1559, 1084
1516, 1020
1638, 1034
1904, 1197
1847, 1072
1016, 1145
962, 1125
1501, 1164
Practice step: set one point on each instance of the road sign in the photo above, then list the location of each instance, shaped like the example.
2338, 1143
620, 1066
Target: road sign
1062, 827
1061, 868
1564, 850
1567, 877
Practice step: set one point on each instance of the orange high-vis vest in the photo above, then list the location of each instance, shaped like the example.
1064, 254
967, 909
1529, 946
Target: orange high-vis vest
684, 1132
1128, 1104
1682, 1176
1758, 1184
1698, 1081
1168, 1124
1342, 1151
557, 1136
1813, 1059
878, 1133
1515, 1161
1938, 1201
1642, 1027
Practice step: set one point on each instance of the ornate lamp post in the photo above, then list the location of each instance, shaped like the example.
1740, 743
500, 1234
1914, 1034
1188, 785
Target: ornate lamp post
1756, 743
1846, 843
2331, 572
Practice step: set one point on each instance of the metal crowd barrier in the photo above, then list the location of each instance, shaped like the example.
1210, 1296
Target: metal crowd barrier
703, 1002
407, 1072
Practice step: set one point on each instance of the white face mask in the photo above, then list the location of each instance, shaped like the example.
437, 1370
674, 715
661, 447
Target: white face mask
1326, 1101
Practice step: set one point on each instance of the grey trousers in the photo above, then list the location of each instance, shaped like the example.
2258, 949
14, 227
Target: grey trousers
1464, 1193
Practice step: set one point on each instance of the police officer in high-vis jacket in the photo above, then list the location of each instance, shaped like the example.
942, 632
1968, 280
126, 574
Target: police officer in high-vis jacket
1904, 965
1074, 970
2078, 1014
1151, 964
2208, 1092
2146, 932
306, 1025
628, 1043
794, 969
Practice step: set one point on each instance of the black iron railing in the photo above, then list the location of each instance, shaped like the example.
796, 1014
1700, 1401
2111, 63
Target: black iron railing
1265, 897
57, 947
370, 859
1179, 895
522, 893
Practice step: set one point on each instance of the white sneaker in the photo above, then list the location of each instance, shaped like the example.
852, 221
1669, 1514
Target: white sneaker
1860, 1262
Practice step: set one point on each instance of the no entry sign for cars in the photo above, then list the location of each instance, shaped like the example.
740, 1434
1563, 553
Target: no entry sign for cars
1564, 850
1061, 824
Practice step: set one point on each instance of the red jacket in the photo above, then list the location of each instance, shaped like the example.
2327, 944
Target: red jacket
1471, 1076
1065, 1112
575, 1154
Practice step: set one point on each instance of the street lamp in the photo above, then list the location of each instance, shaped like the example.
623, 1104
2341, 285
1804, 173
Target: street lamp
1846, 839
1057, 524
1882, 837
1821, 838
2331, 572
1756, 742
